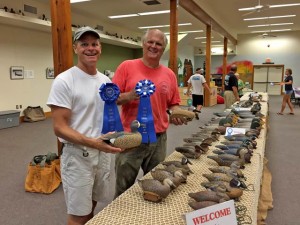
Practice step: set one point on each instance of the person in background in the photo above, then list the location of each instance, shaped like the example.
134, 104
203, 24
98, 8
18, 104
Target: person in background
166, 96
241, 85
197, 82
77, 113
288, 87
231, 94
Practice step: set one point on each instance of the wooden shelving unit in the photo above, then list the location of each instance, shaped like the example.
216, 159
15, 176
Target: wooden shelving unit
27, 22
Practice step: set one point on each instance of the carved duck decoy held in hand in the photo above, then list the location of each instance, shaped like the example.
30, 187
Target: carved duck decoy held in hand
183, 114
125, 140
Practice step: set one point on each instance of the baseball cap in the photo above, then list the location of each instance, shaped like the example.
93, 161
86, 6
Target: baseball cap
82, 30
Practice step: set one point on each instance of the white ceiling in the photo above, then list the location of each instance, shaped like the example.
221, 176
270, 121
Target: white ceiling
225, 12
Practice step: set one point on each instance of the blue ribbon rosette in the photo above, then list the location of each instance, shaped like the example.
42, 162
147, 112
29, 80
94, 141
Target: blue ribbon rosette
145, 88
109, 93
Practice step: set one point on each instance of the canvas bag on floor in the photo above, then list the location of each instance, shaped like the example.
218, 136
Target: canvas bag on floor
43, 174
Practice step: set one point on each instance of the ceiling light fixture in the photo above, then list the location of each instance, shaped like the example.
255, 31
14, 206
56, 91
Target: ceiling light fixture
264, 31
284, 5
122, 16
187, 32
154, 12
190, 31
139, 14
159, 26
201, 37
251, 8
272, 24
270, 17
204, 42
76, 1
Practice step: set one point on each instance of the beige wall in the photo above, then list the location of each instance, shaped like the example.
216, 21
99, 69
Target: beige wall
33, 50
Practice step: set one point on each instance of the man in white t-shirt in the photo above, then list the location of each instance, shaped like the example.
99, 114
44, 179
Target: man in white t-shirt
77, 114
197, 82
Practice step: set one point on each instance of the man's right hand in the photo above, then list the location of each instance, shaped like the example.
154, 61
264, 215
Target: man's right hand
101, 145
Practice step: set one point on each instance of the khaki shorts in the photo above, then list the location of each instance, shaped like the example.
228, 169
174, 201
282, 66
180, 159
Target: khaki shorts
229, 99
85, 179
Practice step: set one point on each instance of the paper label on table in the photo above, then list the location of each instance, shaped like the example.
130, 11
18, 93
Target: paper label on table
223, 213
234, 130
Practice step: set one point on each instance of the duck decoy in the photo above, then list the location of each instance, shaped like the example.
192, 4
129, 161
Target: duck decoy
223, 162
241, 152
183, 164
215, 196
200, 205
231, 192
177, 172
228, 157
162, 174
154, 190
125, 140
233, 182
183, 114
189, 151
193, 139
226, 170
218, 177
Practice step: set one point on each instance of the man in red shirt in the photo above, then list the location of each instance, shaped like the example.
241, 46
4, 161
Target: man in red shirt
166, 96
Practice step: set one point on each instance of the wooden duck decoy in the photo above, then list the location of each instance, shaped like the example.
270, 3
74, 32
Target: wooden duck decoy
223, 162
125, 140
189, 151
228, 157
199, 146
183, 164
234, 182
177, 172
226, 170
218, 177
154, 190
200, 205
193, 139
231, 192
162, 174
183, 114
215, 196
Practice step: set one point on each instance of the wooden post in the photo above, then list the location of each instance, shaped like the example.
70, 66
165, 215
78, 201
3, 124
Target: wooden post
224, 62
61, 35
207, 64
174, 37
61, 40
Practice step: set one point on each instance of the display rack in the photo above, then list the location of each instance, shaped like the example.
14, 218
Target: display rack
27, 22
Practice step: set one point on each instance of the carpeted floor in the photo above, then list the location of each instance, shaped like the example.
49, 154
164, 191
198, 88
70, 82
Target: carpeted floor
19, 144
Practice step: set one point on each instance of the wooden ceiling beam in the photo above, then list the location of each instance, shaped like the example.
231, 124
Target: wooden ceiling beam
194, 9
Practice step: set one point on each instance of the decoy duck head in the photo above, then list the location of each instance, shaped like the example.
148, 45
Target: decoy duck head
135, 124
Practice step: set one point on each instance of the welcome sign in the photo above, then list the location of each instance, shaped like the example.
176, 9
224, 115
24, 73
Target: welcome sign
219, 214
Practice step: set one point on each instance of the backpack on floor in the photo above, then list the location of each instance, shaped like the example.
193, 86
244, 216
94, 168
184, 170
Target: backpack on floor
34, 114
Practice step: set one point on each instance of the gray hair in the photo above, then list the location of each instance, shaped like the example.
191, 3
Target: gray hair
145, 36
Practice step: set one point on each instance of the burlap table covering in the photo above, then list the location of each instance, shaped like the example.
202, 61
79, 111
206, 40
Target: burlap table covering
131, 208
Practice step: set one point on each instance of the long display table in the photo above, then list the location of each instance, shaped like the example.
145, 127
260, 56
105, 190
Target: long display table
131, 208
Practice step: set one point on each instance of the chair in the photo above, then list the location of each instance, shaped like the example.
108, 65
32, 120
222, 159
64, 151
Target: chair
295, 98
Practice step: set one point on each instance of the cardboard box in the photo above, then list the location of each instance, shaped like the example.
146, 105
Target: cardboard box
10, 118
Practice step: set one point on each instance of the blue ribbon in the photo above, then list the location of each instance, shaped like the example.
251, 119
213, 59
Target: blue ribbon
109, 93
145, 88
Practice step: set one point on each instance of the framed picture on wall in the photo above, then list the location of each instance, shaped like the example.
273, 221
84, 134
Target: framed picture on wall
50, 73
16, 72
